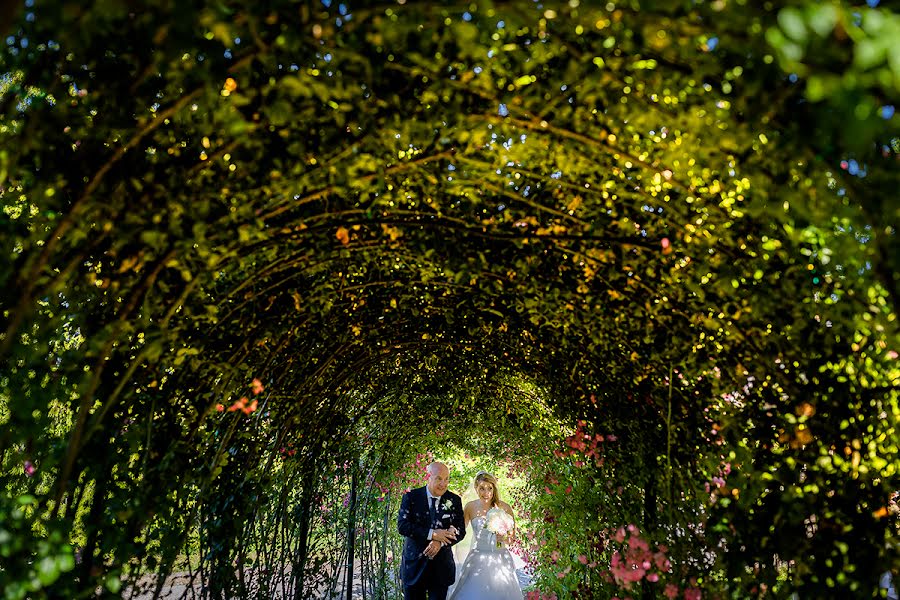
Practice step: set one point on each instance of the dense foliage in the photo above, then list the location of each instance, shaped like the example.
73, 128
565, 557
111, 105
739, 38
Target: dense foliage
259, 257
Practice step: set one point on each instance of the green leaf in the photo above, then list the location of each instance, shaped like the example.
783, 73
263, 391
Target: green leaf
47, 570
791, 21
295, 86
113, 583
465, 33
893, 57
874, 21
65, 562
822, 18
819, 87
869, 53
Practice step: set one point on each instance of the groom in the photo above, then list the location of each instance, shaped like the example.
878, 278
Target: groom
431, 520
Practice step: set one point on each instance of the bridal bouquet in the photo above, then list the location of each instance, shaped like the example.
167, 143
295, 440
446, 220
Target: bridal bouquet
499, 522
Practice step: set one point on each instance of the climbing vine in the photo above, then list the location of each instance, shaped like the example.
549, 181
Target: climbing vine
258, 259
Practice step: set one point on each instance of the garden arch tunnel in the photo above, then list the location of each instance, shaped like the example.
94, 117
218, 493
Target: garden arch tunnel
505, 217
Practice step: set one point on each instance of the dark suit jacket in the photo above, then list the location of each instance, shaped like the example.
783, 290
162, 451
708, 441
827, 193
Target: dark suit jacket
414, 522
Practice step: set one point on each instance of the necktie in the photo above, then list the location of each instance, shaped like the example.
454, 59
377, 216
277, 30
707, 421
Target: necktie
433, 509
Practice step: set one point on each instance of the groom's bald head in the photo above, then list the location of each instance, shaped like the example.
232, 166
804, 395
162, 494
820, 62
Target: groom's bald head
436, 468
438, 478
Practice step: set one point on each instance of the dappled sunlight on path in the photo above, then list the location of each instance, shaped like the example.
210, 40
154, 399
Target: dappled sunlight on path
179, 585
521, 572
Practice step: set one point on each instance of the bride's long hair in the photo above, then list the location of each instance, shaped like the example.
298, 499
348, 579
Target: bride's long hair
484, 476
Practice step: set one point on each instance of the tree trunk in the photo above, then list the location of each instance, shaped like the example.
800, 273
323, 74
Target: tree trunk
351, 536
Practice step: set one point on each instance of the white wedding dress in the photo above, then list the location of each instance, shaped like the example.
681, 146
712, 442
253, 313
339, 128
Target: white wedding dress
489, 572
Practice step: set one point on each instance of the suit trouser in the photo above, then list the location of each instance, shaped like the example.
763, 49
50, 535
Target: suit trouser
423, 589
426, 586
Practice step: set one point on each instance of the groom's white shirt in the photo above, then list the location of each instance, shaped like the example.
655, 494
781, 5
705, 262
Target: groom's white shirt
436, 507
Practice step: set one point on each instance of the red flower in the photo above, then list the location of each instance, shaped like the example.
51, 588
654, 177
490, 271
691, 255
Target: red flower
243, 405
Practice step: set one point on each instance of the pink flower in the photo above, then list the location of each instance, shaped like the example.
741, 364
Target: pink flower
29, 468
242, 405
692, 594
256, 387
583, 559
638, 544
653, 577
671, 591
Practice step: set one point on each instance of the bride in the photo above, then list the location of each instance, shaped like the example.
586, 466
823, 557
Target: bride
488, 572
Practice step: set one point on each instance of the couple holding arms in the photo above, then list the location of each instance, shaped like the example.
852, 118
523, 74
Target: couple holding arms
433, 520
